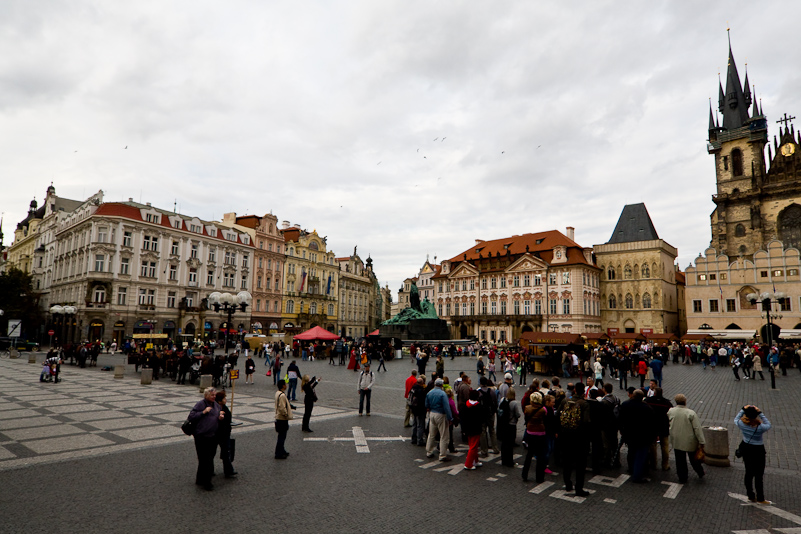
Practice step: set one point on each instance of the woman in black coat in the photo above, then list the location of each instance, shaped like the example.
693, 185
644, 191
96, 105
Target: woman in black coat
309, 398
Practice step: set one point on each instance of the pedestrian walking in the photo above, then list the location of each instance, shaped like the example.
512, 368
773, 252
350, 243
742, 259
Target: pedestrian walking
410, 382
366, 380
753, 424
250, 366
283, 414
293, 373
686, 436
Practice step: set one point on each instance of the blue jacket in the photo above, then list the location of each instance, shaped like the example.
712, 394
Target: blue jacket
752, 435
437, 402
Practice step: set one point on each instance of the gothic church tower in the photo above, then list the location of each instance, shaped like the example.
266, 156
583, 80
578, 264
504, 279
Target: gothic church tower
754, 204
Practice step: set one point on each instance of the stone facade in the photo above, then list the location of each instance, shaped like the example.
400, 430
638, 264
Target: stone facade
357, 297
717, 287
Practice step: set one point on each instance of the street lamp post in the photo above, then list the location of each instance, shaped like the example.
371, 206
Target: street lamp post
766, 299
228, 304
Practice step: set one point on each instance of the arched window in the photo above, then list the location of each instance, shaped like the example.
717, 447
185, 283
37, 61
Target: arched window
739, 231
612, 302
313, 308
627, 272
629, 301
789, 225
737, 162
646, 301
290, 306
646, 272
610, 274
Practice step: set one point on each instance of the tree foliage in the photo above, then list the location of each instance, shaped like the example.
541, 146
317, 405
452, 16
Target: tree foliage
18, 300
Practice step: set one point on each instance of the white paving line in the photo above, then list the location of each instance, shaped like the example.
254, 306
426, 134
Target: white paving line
609, 481
539, 488
673, 490
610, 501
768, 508
569, 496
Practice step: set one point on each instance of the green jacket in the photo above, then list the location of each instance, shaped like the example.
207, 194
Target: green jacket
685, 429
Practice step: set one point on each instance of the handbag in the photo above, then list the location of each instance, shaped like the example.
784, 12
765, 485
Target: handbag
699, 454
269, 372
188, 427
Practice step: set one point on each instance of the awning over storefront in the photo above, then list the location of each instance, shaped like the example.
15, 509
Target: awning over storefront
169, 324
624, 337
595, 338
723, 335
696, 336
551, 339
659, 338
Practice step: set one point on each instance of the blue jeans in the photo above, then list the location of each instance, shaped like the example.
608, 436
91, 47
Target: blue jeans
267, 361
366, 393
293, 388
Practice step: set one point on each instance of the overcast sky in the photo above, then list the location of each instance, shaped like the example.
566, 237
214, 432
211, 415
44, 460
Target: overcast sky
404, 127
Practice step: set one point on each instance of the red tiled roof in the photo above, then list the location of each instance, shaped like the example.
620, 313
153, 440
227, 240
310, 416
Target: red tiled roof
681, 278
540, 244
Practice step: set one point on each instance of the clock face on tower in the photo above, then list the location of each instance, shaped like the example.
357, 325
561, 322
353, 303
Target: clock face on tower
787, 149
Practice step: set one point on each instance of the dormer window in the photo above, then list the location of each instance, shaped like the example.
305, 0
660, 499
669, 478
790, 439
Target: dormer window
152, 218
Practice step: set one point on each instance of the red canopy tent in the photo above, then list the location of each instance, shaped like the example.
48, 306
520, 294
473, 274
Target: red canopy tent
316, 333
374, 333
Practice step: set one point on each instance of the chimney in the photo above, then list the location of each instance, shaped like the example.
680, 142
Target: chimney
296, 226
148, 204
571, 233
130, 199
284, 224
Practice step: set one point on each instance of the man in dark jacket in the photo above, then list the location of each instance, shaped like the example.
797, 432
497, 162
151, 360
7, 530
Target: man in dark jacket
637, 428
575, 441
660, 405
184, 364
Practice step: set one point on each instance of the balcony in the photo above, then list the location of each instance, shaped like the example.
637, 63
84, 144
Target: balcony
504, 318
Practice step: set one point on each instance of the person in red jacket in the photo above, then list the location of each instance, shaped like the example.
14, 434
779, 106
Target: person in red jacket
642, 370
410, 382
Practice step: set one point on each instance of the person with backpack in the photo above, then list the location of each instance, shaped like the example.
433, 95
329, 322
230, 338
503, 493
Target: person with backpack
574, 439
489, 409
366, 380
509, 413
417, 408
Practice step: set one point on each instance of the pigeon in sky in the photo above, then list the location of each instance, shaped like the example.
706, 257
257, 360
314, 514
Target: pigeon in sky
503, 152
436, 138
418, 150
425, 157
539, 146
379, 163
126, 147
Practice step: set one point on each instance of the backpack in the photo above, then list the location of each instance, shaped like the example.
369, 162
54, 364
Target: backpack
504, 415
414, 399
570, 417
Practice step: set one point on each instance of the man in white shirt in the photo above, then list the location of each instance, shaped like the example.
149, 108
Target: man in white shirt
366, 380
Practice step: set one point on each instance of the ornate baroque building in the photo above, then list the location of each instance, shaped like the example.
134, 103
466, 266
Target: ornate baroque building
496, 290
311, 281
358, 291
638, 277
130, 268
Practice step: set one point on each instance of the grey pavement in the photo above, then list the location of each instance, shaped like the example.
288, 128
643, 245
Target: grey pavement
95, 454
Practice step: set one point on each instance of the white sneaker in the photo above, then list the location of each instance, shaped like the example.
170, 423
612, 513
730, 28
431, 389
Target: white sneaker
479, 464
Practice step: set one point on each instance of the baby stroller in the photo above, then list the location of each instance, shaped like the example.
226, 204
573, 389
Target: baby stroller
47, 374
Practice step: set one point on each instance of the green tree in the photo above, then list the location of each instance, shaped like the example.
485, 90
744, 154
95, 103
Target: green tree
18, 300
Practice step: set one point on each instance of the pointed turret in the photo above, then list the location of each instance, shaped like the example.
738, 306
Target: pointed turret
735, 112
756, 113
721, 96
746, 89
711, 117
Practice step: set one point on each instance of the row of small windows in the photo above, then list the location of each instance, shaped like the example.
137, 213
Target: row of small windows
312, 309
630, 302
630, 272
762, 274
713, 305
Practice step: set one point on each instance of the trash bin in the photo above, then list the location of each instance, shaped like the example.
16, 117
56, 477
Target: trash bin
205, 382
147, 377
717, 446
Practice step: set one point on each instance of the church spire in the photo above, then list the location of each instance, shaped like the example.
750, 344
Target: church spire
721, 96
735, 112
756, 111
746, 88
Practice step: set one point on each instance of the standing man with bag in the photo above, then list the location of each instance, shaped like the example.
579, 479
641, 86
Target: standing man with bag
366, 381
224, 436
686, 436
283, 413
